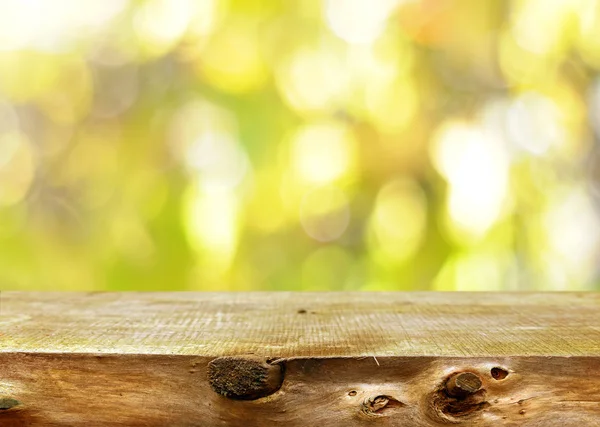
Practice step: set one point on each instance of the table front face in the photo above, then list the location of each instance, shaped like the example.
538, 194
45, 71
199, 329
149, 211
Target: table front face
155, 391
328, 359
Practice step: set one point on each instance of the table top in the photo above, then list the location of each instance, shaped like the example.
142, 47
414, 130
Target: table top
286, 324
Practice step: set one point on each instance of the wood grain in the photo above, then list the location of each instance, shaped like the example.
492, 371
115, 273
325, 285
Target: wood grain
348, 359
303, 324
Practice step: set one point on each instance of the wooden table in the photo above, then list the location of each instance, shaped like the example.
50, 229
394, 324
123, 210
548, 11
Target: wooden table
299, 359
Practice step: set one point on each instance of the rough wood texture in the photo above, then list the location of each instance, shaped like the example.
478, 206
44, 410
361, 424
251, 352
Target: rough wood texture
350, 359
303, 324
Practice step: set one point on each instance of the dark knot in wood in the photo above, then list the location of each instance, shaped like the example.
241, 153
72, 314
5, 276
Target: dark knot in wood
463, 384
8, 403
462, 394
379, 405
244, 377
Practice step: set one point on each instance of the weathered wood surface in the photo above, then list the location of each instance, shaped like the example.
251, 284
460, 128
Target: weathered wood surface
303, 324
348, 359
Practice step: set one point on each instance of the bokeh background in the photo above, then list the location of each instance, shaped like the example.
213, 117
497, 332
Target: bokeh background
299, 145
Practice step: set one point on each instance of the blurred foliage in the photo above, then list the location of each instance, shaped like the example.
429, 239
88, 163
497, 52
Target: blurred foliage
310, 145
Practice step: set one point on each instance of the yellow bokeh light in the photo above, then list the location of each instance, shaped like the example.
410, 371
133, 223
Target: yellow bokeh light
572, 119
219, 160
237, 39
475, 163
195, 118
206, 17
572, 227
548, 121
357, 21
17, 167
472, 272
534, 123
53, 26
323, 152
588, 39
521, 67
536, 24
314, 80
203, 136
25, 75
384, 90
392, 107
17, 25
212, 225
159, 25
398, 221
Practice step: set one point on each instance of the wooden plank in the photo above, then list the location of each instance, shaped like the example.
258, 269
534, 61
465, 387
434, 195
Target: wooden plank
303, 324
329, 359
